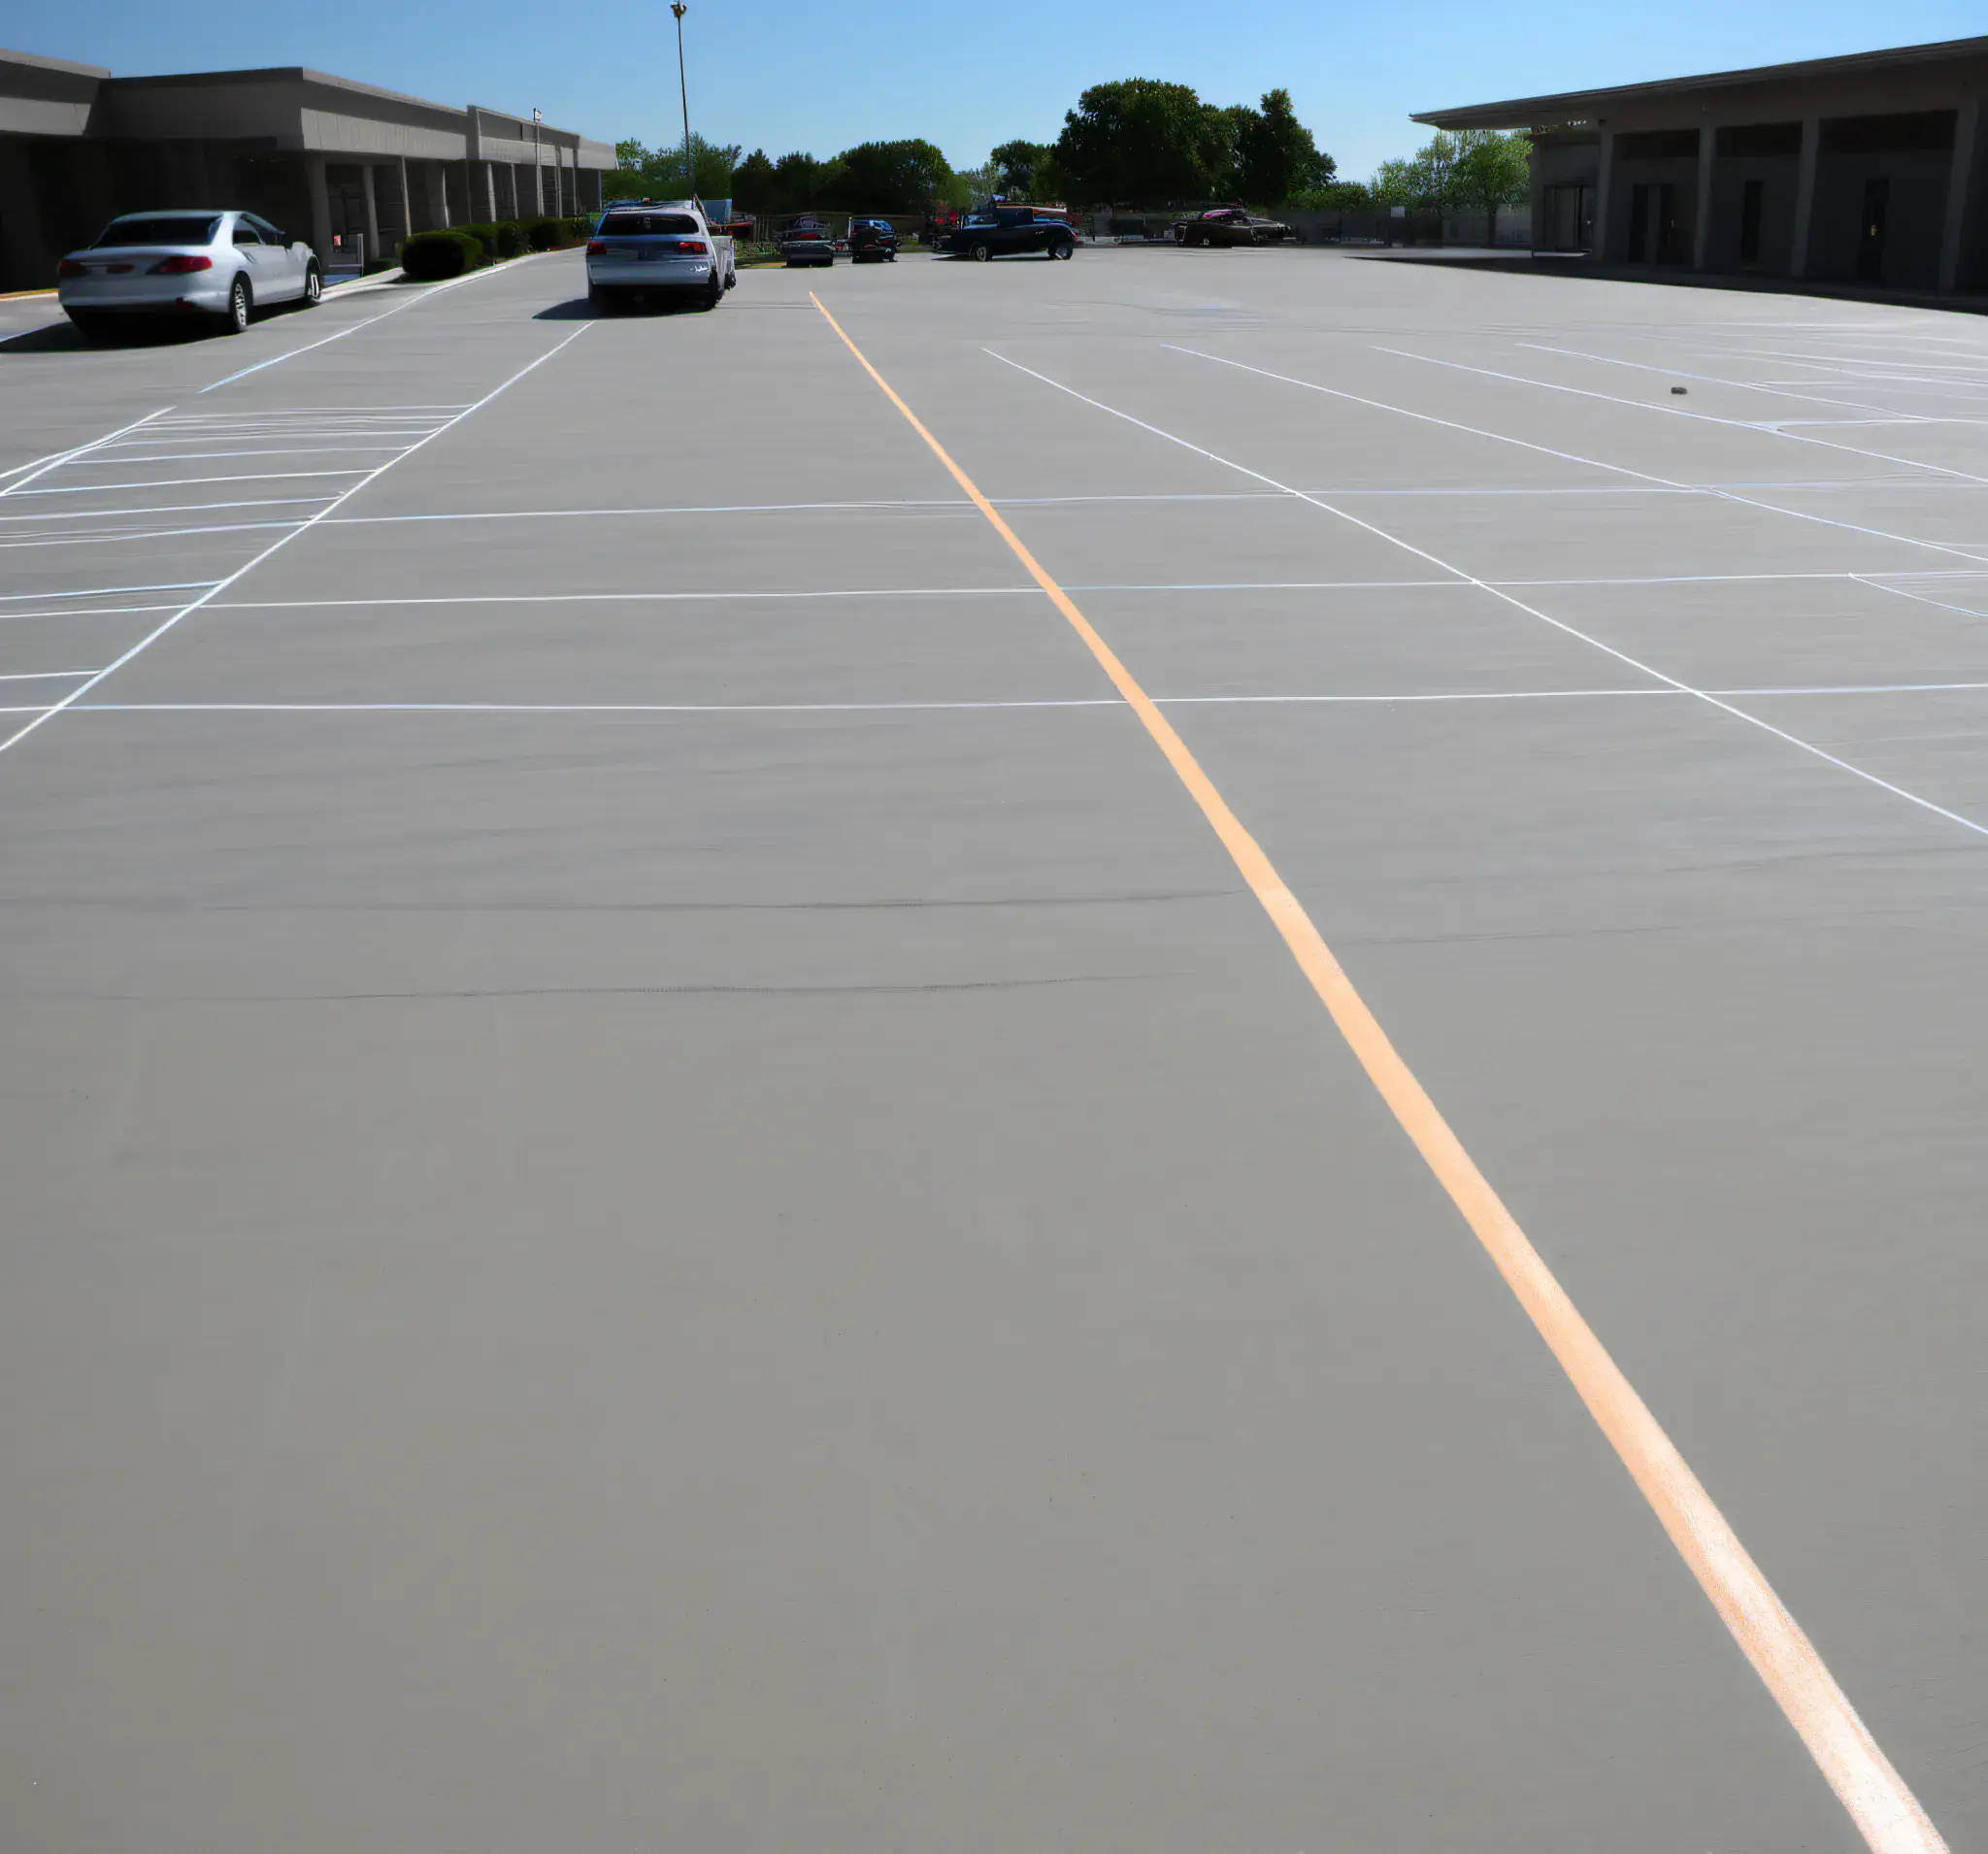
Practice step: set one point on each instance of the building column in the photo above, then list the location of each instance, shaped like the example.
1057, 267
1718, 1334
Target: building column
1604, 188
1963, 189
24, 264
489, 201
1804, 195
1701, 225
321, 207
407, 201
435, 185
371, 254
94, 184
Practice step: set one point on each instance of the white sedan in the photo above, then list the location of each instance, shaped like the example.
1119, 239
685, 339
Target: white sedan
218, 264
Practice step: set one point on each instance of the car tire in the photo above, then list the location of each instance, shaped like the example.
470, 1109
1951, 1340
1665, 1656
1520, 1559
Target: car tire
1064, 250
731, 279
980, 253
714, 293
90, 326
313, 285
235, 317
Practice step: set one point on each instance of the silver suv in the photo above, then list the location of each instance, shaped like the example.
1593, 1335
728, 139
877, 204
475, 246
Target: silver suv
658, 247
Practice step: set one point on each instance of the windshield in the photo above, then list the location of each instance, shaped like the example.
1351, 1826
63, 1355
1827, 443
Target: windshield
146, 228
634, 224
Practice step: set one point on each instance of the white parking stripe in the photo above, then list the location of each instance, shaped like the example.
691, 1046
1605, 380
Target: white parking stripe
1508, 598
158, 631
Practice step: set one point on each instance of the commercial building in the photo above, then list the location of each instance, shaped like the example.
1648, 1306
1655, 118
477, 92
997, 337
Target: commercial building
1861, 169
322, 156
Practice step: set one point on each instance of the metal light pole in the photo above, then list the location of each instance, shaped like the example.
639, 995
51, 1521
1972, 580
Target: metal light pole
538, 162
679, 8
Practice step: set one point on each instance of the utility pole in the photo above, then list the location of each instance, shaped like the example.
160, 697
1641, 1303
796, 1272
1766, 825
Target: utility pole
679, 8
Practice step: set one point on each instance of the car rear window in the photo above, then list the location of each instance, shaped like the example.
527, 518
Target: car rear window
187, 230
637, 224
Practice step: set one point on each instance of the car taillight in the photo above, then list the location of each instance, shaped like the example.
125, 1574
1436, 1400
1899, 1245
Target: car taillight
69, 267
596, 247
181, 266
692, 244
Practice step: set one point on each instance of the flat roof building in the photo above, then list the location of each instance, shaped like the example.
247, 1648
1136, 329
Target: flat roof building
322, 156
1860, 169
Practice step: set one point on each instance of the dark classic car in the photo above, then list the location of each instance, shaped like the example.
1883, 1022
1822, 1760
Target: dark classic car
872, 241
806, 240
1229, 225
1003, 231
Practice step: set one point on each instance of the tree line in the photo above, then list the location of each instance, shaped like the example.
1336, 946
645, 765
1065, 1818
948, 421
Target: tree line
1137, 142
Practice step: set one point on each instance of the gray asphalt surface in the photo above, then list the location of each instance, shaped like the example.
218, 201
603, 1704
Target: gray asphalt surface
760, 1245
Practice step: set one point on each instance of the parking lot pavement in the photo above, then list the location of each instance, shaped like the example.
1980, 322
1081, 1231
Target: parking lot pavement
664, 1190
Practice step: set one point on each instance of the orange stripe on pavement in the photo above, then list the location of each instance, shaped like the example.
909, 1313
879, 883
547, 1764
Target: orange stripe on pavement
1885, 1809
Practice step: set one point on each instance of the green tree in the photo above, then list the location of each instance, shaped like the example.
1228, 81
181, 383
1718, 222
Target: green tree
659, 172
1140, 140
1276, 156
1335, 196
1492, 170
972, 185
893, 177
1016, 165
752, 184
1475, 167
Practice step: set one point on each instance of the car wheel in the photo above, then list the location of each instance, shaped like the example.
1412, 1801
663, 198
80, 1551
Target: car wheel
235, 320
313, 285
731, 279
91, 327
980, 253
714, 293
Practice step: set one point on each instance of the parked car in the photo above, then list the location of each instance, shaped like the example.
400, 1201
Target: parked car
222, 264
1004, 231
806, 240
872, 241
1229, 225
660, 247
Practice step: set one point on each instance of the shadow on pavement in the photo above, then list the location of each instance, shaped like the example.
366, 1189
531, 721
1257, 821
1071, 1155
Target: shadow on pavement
66, 338
579, 309
1575, 266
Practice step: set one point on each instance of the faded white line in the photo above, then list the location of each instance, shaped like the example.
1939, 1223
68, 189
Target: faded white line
184, 482
276, 360
1422, 553
104, 592
1615, 399
62, 457
1524, 443
151, 637
163, 508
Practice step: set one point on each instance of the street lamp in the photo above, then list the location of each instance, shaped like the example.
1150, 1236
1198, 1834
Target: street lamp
538, 162
679, 8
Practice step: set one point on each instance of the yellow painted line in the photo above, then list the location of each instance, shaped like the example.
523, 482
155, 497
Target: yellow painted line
21, 295
1885, 1809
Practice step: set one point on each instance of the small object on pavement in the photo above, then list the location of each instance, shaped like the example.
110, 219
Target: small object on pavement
1676, 389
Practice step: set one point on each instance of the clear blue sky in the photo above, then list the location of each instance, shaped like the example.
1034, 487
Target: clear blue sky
787, 74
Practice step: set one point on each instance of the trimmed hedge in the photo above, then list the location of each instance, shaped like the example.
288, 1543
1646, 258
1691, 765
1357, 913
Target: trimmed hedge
432, 255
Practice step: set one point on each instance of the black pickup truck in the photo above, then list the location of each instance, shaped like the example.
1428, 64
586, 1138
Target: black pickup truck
1005, 231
